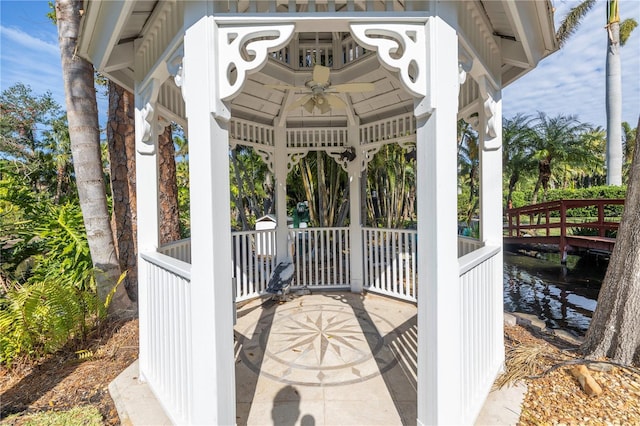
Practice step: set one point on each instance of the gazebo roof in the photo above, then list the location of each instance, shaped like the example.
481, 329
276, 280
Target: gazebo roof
521, 32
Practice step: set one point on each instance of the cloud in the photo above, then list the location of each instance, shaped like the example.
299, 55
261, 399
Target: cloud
26, 41
32, 61
572, 80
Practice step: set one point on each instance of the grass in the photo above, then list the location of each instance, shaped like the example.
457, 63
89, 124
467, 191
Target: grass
86, 415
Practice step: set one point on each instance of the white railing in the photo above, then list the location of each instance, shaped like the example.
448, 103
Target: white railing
482, 345
466, 245
180, 250
352, 51
390, 262
391, 129
168, 337
321, 257
254, 259
249, 131
319, 137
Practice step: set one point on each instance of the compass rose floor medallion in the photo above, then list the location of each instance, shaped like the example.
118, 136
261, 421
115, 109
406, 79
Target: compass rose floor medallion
326, 352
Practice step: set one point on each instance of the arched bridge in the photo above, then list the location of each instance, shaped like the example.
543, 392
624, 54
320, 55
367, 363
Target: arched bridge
565, 226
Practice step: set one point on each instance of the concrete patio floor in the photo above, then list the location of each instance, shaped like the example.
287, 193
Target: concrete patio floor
329, 358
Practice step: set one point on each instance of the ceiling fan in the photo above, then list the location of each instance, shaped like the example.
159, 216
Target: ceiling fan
321, 93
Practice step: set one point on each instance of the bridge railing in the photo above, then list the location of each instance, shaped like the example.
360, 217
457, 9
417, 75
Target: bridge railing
547, 217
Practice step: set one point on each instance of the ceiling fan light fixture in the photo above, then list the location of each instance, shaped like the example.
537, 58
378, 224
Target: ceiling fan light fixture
309, 105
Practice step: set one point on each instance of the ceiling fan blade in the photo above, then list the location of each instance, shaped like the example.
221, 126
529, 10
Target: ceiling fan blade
282, 86
335, 102
353, 87
321, 74
303, 100
309, 105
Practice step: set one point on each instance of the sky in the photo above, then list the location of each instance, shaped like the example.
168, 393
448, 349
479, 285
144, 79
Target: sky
570, 81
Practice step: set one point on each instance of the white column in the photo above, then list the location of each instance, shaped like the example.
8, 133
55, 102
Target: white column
355, 228
280, 172
491, 204
439, 316
355, 206
490, 135
147, 213
211, 340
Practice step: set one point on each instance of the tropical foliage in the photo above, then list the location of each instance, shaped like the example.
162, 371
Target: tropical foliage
47, 279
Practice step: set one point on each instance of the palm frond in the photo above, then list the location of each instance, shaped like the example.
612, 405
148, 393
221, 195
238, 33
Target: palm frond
626, 28
572, 21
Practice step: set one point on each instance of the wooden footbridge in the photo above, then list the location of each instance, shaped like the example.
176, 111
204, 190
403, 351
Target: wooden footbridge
564, 226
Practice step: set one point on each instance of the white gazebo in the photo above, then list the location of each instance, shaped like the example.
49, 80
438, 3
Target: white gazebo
223, 70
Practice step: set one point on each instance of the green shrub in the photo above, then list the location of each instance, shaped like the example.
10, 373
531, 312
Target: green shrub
58, 301
40, 317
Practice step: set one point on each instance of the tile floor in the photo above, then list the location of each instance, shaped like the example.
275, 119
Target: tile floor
326, 359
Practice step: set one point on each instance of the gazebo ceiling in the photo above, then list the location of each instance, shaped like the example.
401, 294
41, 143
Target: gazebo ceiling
113, 33
260, 103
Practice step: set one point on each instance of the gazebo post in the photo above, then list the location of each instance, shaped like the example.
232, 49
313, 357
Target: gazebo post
439, 316
280, 172
147, 211
211, 341
356, 260
490, 142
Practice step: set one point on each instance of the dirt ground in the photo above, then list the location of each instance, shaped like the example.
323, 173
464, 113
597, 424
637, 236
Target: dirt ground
78, 375
69, 379
554, 395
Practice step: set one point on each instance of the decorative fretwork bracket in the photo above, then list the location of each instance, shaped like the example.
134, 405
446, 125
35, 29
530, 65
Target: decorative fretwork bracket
488, 94
367, 155
175, 66
146, 99
243, 50
344, 157
294, 158
465, 64
400, 47
267, 157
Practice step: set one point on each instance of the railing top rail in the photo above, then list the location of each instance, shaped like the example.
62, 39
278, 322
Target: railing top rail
404, 230
476, 257
321, 228
178, 267
568, 203
253, 231
175, 243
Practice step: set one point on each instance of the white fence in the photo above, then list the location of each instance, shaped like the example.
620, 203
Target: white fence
482, 332
167, 302
254, 259
390, 262
466, 245
321, 257
180, 250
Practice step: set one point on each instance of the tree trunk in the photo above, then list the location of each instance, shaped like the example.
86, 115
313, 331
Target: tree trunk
614, 102
122, 163
168, 189
84, 133
614, 328
322, 190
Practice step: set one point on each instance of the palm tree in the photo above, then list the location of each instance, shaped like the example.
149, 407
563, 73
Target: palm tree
558, 138
517, 152
122, 171
613, 331
628, 136
84, 134
468, 167
617, 35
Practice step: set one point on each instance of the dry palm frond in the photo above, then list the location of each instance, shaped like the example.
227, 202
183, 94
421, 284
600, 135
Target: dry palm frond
522, 361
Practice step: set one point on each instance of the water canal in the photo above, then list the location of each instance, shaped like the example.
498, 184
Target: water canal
563, 297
